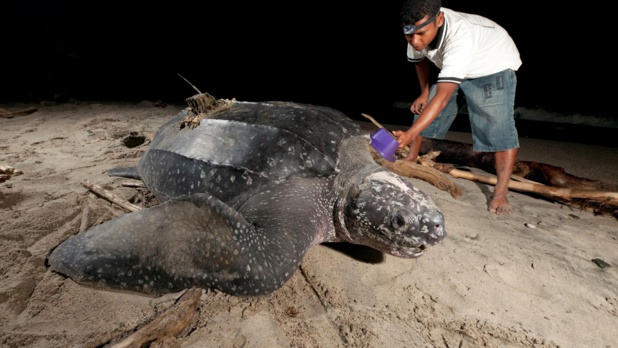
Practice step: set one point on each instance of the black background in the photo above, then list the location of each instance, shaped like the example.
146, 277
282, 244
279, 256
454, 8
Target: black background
346, 54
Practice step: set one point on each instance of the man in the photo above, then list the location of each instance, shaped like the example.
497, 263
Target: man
479, 57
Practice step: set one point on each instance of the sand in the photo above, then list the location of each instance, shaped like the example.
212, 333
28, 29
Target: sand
522, 280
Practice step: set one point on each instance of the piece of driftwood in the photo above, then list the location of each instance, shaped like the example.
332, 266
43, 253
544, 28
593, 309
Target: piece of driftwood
555, 176
417, 171
164, 330
459, 153
373, 120
10, 114
559, 193
110, 196
6, 172
543, 179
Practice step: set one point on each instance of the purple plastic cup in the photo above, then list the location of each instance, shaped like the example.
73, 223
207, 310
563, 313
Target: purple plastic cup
385, 143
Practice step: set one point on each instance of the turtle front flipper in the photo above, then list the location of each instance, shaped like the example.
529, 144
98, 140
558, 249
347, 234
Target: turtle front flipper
192, 241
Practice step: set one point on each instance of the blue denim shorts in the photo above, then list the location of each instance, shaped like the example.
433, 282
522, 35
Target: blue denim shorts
491, 108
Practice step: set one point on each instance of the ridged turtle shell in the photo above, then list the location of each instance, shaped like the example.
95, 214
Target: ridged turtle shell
237, 150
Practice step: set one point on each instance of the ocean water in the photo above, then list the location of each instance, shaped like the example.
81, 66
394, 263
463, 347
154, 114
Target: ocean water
542, 115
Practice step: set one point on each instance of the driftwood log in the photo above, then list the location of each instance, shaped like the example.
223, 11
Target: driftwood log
543, 179
418, 171
163, 331
10, 114
458, 153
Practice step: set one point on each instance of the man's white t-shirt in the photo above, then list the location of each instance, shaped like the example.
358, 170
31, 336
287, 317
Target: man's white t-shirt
469, 46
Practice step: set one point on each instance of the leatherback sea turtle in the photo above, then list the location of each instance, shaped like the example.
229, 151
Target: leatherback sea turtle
243, 195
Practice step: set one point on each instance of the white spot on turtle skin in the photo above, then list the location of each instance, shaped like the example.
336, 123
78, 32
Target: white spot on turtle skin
247, 177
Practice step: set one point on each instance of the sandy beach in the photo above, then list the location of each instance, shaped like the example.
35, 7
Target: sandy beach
521, 280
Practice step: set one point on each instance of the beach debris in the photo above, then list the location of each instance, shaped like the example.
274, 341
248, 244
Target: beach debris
601, 201
10, 114
6, 172
201, 105
601, 263
166, 328
418, 171
110, 196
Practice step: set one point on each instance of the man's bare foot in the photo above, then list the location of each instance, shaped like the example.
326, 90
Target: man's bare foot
500, 205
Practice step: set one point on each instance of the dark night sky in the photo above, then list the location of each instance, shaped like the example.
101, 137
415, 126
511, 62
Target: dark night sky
351, 58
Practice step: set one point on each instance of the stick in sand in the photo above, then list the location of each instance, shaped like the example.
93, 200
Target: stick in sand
110, 196
164, 329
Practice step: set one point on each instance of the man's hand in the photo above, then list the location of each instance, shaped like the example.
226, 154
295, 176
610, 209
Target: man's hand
403, 138
408, 138
419, 104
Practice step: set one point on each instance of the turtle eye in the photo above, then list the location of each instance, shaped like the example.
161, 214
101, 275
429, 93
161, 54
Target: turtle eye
398, 220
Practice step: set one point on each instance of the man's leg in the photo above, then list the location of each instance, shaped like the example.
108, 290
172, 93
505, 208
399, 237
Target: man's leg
490, 102
505, 161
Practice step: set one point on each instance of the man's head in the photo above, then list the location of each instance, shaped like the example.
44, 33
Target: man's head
413, 11
420, 20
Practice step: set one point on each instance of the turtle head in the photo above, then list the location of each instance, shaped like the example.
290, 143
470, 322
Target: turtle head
389, 214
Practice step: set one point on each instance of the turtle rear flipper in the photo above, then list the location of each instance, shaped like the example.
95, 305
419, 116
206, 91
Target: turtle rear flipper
125, 172
192, 241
